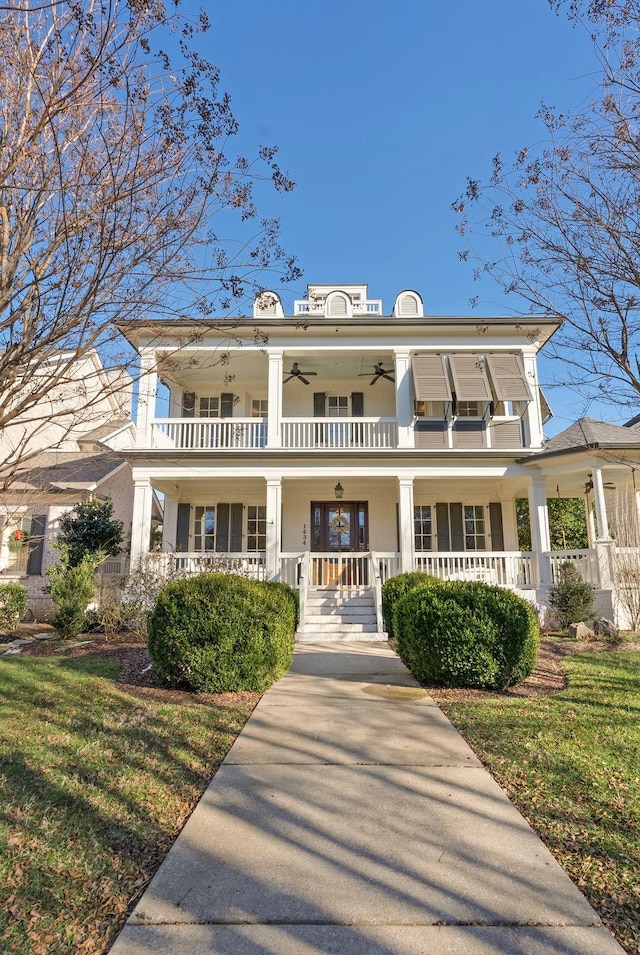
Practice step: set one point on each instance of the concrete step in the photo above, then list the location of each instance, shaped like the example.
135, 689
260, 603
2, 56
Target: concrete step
316, 636
327, 602
322, 619
334, 625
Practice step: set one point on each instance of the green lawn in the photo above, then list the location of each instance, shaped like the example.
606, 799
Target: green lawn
571, 763
94, 786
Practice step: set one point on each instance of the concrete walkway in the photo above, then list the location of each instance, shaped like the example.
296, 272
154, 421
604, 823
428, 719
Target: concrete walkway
351, 818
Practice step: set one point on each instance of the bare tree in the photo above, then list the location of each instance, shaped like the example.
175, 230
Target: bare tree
114, 163
565, 217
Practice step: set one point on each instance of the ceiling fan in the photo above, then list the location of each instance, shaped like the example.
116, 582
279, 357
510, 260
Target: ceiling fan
607, 485
378, 372
296, 373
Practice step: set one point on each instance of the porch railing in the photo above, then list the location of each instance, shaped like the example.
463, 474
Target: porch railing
342, 571
290, 569
208, 433
377, 590
585, 561
189, 564
503, 568
331, 433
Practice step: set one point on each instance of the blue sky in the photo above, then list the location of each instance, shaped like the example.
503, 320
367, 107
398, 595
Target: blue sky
380, 111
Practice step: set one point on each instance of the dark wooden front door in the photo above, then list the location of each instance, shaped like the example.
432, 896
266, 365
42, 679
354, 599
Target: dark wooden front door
340, 527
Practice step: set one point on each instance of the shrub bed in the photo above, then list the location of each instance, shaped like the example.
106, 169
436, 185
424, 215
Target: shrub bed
469, 634
13, 605
220, 633
397, 587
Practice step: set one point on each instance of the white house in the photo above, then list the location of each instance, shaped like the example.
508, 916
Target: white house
340, 445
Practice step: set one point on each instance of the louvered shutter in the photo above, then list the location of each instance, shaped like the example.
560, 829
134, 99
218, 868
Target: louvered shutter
430, 378
545, 407
357, 404
442, 527
457, 527
188, 404
226, 405
509, 380
497, 531
337, 306
319, 400
506, 434
470, 378
235, 545
222, 528
36, 544
469, 435
408, 306
182, 527
430, 435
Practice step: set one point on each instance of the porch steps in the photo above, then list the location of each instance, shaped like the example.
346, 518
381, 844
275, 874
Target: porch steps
339, 614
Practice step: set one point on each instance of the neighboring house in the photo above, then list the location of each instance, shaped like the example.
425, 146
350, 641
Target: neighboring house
69, 454
339, 446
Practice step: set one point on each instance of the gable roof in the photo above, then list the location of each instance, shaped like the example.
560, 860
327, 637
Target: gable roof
590, 434
59, 471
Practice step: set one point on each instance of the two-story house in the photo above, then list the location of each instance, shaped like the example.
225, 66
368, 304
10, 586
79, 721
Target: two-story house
340, 445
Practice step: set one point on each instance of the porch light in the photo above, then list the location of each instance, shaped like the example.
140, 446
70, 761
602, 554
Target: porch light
339, 491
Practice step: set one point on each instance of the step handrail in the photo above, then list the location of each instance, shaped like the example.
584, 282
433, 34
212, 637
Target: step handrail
303, 585
377, 589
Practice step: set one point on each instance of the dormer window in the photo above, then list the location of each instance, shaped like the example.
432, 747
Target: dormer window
338, 305
267, 304
408, 305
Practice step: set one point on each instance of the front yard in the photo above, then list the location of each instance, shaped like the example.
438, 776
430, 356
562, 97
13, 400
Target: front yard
95, 784
571, 763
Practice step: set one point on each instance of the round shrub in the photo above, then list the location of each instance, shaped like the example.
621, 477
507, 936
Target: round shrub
218, 633
463, 633
395, 588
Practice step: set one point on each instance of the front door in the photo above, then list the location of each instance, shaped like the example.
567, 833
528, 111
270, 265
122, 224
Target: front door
340, 528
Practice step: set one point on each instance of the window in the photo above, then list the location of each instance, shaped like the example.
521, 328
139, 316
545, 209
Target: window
259, 407
210, 407
338, 406
256, 527
18, 554
468, 409
205, 528
475, 537
422, 527
429, 409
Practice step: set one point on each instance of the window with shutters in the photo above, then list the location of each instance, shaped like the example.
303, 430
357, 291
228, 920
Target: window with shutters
259, 408
204, 536
468, 409
430, 409
256, 527
209, 407
462, 527
422, 525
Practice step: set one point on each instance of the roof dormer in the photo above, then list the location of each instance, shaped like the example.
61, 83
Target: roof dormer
267, 304
408, 304
338, 305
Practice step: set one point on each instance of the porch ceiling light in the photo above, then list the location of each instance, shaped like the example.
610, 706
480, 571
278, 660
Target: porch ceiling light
339, 491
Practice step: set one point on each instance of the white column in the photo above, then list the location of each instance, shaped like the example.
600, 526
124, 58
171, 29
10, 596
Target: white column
147, 384
274, 526
169, 523
591, 524
540, 537
404, 399
601, 509
405, 513
141, 522
274, 438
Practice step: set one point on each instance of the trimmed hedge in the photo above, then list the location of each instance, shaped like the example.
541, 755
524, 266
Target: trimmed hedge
395, 588
461, 633
219, 633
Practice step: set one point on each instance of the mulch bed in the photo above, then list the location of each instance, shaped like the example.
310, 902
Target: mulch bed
137, 676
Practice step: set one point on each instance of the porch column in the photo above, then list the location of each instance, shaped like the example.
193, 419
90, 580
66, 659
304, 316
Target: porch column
540, 537
404, 399
147, 384
274, 414
532, 416
601, 509
169, 523
274, 526
141, 522
405, 514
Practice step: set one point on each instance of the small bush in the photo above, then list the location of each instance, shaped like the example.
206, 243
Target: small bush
570, 597
219, 633
13, 605
72, 589
395, 588
462, 633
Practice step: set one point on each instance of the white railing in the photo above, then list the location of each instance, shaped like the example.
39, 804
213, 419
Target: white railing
503, 568
585, 561
342, 571
114, 567
195, 562
324, 433
290, 569
389, 564
199, 434
369, 306
377, 590
303, 588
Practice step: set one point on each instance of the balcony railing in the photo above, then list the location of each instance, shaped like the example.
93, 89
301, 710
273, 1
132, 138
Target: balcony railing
200, 434
370, 306
323, 433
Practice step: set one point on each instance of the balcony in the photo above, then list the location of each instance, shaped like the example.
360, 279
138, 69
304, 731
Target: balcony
297, 434
370, 306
